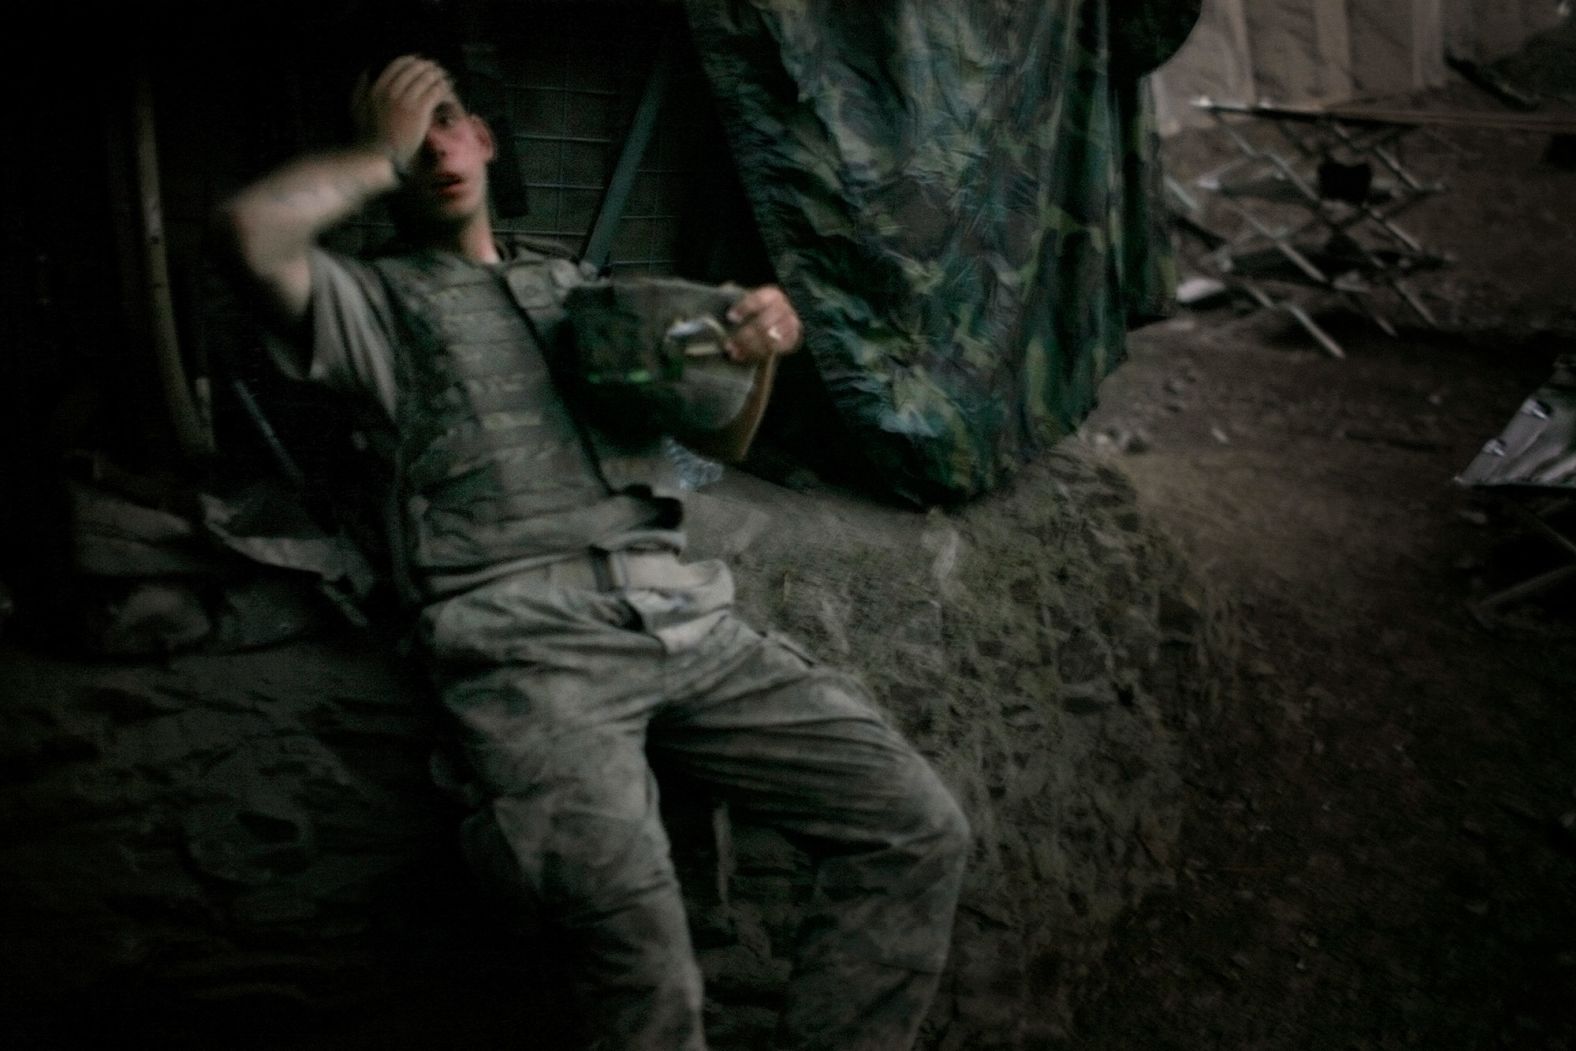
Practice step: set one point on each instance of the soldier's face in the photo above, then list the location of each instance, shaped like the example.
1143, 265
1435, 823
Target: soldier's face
448, 181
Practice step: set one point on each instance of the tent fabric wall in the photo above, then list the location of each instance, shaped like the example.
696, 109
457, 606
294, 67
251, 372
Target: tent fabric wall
1336, 50
959, 198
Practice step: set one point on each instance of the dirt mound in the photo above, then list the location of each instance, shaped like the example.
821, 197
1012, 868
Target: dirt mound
1044, 649
254, 836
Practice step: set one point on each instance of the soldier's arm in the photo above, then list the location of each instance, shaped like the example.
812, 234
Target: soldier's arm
269, 228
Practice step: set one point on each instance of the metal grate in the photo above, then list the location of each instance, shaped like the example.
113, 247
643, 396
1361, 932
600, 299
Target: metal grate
573, 89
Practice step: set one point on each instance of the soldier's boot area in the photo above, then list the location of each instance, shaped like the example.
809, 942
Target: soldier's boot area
557, 698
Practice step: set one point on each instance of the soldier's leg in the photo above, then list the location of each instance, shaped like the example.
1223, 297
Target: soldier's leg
553, 723
801, 747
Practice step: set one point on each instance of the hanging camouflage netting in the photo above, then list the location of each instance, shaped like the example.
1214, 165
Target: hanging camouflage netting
962, 199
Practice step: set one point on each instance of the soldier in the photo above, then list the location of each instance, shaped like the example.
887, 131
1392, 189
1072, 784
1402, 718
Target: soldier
566, 639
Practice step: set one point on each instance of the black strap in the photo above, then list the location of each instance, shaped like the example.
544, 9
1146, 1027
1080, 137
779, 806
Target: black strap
599, 242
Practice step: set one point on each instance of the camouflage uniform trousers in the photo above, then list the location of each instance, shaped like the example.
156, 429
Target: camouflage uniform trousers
558, 694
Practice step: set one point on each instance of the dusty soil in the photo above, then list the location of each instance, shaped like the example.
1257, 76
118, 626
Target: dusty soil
1379, 847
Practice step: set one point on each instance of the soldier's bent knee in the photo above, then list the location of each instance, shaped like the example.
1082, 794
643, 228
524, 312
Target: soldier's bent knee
945, 828
953, 829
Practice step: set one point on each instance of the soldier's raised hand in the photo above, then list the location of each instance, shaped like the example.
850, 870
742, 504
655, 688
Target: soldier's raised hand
393, 112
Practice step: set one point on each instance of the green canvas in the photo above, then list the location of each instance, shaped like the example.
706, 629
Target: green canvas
962, 198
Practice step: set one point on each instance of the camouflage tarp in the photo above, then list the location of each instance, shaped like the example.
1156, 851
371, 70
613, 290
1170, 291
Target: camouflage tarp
961, 197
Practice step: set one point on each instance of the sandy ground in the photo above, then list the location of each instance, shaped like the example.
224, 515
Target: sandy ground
1379, 849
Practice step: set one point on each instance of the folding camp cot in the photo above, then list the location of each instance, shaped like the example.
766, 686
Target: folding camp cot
1322, 211
1532, 463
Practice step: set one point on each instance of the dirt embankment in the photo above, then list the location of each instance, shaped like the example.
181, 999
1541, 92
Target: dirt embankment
248, 844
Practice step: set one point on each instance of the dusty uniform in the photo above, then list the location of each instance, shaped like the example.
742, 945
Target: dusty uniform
568, 641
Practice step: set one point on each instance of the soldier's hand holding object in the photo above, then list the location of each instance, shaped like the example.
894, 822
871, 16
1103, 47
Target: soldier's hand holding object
765, 323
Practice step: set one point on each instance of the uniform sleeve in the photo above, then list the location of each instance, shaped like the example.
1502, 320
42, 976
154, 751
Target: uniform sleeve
347, 341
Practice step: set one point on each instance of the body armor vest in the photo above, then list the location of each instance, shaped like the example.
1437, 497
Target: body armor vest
492, 466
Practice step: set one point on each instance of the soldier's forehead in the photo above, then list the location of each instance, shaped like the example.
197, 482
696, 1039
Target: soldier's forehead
451, 91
